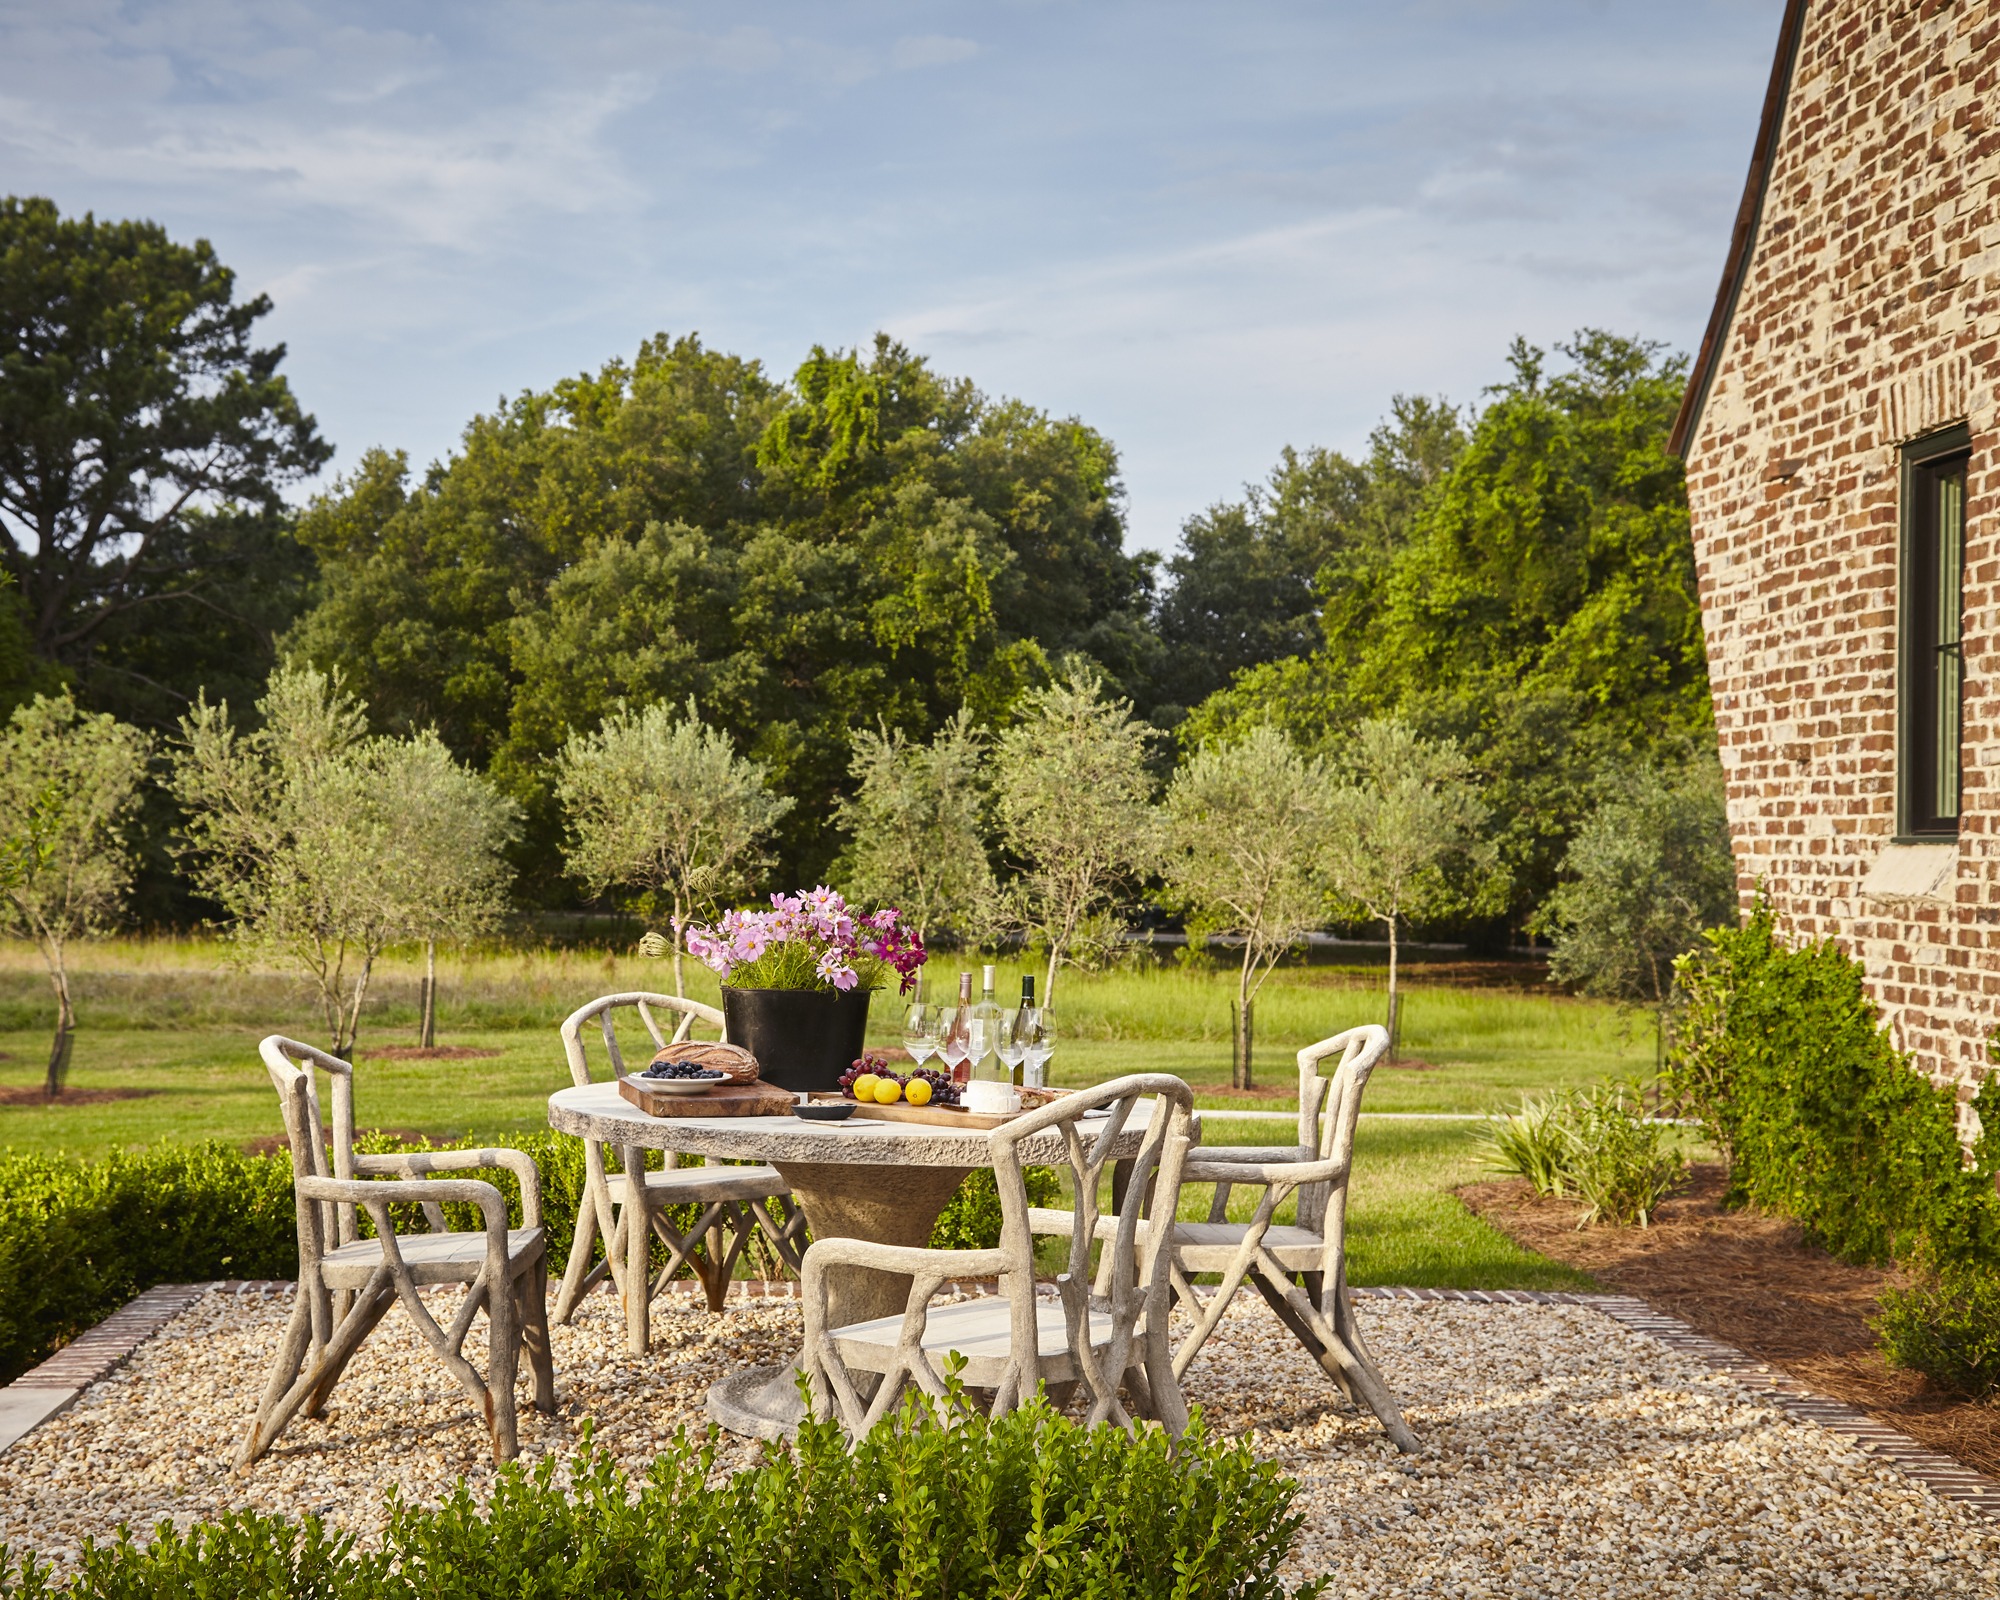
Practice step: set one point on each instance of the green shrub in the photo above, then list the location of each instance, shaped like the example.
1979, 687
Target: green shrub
78, 1239
1782, 1057
1532, 1144
1622, 1163
1600, 1144
1031, 1505
1948, 1328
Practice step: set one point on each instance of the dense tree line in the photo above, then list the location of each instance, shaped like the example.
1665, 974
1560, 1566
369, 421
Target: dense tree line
831, 571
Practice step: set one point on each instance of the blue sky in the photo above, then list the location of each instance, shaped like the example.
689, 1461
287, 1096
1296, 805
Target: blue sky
1208, 230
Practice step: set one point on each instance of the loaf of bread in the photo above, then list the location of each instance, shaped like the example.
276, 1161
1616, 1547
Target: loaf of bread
733, 1059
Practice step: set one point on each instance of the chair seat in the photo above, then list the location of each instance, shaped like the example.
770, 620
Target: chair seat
981, 1331
1204, 1246
431, 1257
684, 1185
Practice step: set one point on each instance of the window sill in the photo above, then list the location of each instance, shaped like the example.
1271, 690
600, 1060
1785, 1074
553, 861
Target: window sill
1912, 872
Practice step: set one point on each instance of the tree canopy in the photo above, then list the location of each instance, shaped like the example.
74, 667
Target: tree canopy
144, 443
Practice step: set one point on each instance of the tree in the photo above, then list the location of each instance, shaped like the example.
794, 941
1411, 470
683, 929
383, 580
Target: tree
317, 839
1245, 829
1648, 871
663, 805
132, 404
1401, 809
72, 777
454, 872
1074, 802
915, 816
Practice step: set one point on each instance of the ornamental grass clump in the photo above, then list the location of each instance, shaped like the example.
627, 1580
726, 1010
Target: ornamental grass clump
809, 941
1599, 1144
1029, 1505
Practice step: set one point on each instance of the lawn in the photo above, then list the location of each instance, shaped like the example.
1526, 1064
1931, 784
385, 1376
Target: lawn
173, 1018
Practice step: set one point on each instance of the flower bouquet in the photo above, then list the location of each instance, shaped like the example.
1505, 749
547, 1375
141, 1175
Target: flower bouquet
796, 981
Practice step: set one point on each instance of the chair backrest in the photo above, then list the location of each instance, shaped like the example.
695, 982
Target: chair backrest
1138, 1279
291, 1067
602, 1008
1339, 1097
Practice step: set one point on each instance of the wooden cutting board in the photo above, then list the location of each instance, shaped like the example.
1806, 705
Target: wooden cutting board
724, 1100
931, 1116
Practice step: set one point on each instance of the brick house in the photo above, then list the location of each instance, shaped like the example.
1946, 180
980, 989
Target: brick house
1841, 432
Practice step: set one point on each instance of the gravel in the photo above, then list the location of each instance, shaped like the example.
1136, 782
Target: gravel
1564, 1455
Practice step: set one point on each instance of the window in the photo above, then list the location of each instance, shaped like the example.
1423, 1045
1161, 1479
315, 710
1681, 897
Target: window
1931, 670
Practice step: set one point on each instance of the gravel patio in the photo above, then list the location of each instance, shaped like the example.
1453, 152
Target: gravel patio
1565, 1454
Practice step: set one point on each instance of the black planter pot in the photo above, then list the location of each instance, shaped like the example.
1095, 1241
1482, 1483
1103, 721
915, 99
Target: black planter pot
803, 1039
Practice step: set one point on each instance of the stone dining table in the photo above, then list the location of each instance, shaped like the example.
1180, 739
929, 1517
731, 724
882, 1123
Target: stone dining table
858, 1179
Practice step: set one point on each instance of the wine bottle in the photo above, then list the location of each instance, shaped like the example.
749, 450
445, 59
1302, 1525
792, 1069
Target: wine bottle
985, 1036
1024, 1021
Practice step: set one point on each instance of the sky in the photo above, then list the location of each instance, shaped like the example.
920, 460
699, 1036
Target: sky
1208, 230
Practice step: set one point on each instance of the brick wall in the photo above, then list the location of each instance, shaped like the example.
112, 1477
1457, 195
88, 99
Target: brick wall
1870, 315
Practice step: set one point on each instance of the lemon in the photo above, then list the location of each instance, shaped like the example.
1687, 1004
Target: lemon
864, 1087
887, 1091
918, 1092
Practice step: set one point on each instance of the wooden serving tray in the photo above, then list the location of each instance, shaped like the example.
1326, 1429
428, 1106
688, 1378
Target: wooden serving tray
932, 1116
724, 1100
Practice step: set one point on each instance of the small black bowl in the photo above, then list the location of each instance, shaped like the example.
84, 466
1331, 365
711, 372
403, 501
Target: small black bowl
824, 1110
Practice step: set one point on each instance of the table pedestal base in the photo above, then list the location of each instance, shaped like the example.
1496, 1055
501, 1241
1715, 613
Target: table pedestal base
841, 1201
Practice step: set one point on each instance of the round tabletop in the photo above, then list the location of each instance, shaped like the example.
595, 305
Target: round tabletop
600, 1112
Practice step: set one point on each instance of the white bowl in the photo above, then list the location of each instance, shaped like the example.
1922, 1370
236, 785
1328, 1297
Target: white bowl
679, 1085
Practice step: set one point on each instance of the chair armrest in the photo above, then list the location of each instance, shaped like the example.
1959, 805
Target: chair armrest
1215, 1153
411, 1163
387, 1191
912, 1259
1292, 1174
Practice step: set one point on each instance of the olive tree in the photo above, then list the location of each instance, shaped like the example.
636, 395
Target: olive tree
318, 841
1649, 869
72, 778
915, 815
453, 876
1244, 826
1400, 809
1074, 803
664, 805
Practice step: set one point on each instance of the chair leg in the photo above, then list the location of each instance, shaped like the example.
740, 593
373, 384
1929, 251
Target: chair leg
284, 1371
503, 1358
576, 1280
330, 1371
535, 1331
1348, 1367
274, 1418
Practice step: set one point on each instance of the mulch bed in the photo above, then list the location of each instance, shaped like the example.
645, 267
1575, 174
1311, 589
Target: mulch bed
1751, 1280
37, 1095
436, 1052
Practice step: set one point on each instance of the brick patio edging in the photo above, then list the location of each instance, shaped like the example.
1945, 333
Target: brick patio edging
51, 1388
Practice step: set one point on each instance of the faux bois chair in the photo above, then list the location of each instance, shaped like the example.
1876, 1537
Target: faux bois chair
736, 1200
1012, 1344
348, 1283
1300, 1268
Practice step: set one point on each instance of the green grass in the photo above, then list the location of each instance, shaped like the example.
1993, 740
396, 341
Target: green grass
175, 1018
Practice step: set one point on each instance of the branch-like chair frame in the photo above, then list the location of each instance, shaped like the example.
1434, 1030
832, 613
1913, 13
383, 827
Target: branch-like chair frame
347, 1283
736, 1200
1102, 1340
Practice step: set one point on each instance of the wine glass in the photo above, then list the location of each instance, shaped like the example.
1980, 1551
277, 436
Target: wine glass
1012, 1045
1038, 1044
920, 1034
954, 1036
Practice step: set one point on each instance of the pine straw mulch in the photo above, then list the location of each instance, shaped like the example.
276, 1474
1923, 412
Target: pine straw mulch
36, 1094
1750, 1280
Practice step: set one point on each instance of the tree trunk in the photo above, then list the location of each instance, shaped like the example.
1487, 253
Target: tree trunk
1395, 999
430, 1033
1049, 982
1240, 1024
680, 992
1239, 1065
59, 1052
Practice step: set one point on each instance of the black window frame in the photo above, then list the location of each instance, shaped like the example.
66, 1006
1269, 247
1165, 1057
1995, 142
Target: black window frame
1930, 670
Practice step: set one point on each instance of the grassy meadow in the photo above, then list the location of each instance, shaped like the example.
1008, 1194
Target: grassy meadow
178, 1019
